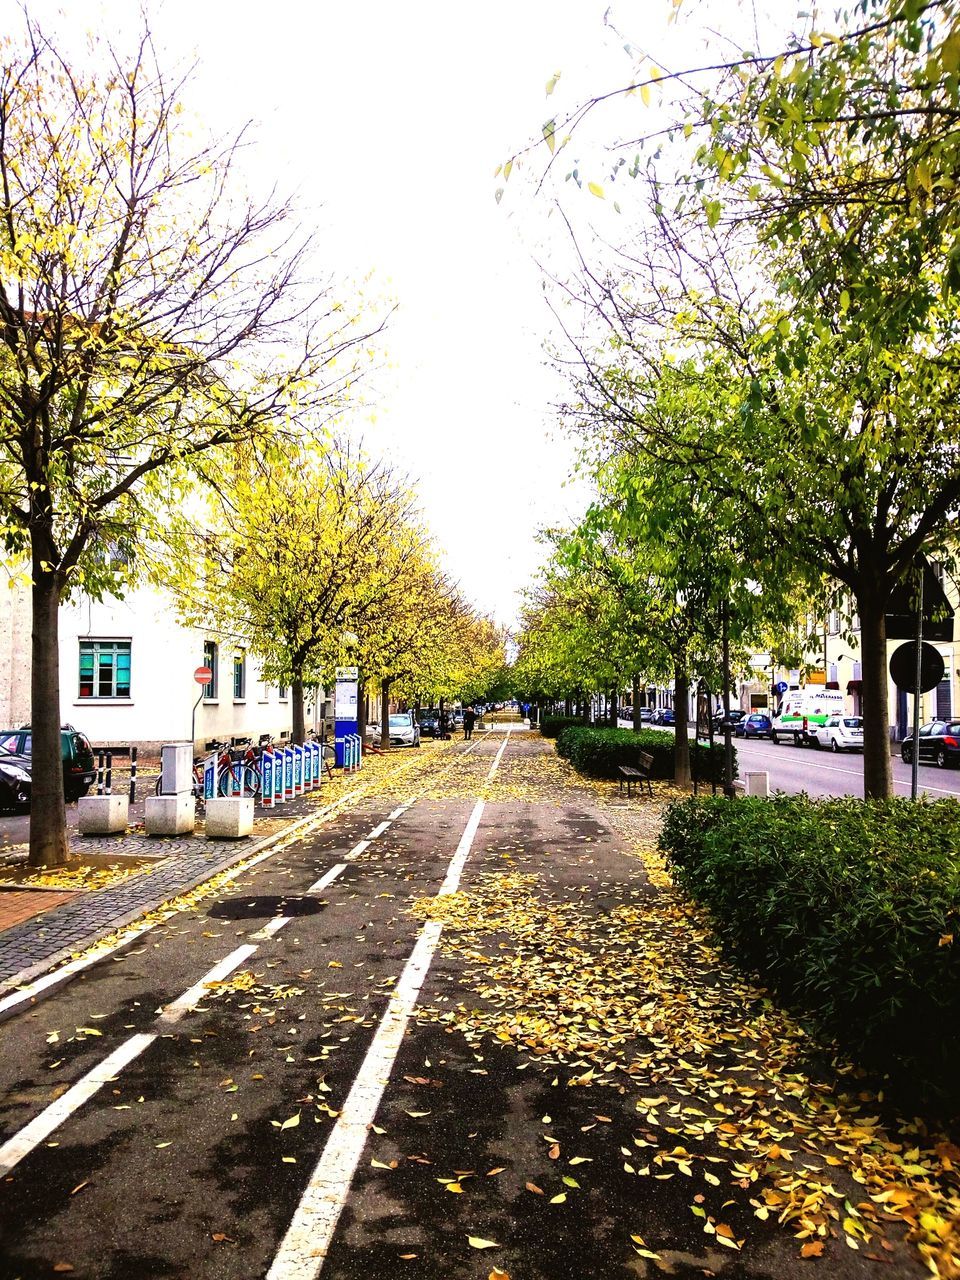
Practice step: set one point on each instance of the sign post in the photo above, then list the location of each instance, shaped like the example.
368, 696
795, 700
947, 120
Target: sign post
203, 676
345, 709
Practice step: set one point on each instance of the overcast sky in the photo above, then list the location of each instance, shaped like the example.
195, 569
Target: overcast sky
388, 120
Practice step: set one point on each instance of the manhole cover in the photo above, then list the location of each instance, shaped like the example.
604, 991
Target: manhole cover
253, 908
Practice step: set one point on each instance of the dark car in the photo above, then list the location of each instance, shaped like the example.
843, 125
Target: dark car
79, 770
733, 718
664, 715
429, 724
755, 725
939, 743
14, 782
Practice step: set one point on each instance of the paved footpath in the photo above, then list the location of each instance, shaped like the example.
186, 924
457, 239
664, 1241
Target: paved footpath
39, 930
464, 1029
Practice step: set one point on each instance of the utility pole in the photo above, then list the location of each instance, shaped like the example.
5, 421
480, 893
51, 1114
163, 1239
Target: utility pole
915, 754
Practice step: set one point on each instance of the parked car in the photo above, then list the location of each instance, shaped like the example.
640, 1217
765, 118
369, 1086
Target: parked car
457, 719
839, 733
733, 718
428, 722
404, 730
755, 725
939, 743
79, 769
646, 715
664, 715
14, 782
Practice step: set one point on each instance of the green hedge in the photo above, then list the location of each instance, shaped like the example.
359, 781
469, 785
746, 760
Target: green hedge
551, 726
846, 907
599, 752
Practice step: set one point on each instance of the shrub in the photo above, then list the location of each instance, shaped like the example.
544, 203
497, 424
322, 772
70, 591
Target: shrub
550, 726
599, 752
848, 908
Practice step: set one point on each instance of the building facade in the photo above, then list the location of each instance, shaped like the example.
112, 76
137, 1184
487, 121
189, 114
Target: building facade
127, 675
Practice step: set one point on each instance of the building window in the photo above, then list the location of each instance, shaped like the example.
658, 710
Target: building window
239, 675
211, 658
282, 692
104, 668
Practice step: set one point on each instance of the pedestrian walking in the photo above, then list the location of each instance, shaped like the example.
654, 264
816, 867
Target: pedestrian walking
469, 720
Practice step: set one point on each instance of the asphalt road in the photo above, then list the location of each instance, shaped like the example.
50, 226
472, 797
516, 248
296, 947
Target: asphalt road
244, 1093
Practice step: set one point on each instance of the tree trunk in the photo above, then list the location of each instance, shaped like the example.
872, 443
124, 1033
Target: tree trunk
48, 819
385, 714
637, 722
681, 750
613, 707
298, 730
877, 768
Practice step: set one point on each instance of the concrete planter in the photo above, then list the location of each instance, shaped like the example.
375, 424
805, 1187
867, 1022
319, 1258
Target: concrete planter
103, 815
757, 784
229, 818
169, 815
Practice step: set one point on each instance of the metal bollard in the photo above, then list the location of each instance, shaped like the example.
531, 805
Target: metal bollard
133, 775
99, 773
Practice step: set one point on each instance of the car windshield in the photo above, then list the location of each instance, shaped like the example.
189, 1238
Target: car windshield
9, 742
400, 722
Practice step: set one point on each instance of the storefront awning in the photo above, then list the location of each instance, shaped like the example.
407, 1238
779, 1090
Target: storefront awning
855, 686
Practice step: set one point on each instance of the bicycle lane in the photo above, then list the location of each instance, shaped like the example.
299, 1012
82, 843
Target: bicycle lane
291, 1022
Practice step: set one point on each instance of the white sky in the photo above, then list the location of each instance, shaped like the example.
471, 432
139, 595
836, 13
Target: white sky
388, 118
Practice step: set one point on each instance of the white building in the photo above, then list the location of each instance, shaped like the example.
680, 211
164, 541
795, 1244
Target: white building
126, 675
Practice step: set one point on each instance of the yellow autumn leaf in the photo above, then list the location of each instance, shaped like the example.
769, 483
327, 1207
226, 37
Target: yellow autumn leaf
595, 189
478, 1242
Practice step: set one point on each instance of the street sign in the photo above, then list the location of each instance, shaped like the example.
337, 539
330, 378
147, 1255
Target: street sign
203, 675
903, 667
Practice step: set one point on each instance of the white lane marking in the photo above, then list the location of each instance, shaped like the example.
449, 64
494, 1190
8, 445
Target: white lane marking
499, 756
175, 1010
378, 830
455, 868
392, 817
327, 878
40, 1128
357, 850
304, 1247
270, 928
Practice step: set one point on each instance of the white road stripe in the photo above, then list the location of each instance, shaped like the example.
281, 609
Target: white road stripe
357, 850
499, 756
379, 830
304, 1247
455, 869
327, 878
270, 928
175, 1010
40, 1128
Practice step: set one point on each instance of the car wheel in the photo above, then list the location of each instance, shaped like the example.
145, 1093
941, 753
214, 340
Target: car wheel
905, 755
21, 799
941, 758
834, 746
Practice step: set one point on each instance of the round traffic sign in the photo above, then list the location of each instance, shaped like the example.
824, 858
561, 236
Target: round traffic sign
203, 675
903, 666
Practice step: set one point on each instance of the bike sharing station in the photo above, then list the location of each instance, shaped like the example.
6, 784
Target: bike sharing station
346, 741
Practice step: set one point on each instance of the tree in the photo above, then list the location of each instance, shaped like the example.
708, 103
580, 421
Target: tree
303, 543
808, 243
146, 316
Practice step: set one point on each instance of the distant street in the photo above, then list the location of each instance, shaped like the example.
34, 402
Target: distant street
819, 772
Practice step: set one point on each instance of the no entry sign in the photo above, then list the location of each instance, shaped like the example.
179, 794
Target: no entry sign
203, 675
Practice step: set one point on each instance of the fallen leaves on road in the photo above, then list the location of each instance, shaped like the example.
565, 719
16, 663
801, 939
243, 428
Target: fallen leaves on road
636, 998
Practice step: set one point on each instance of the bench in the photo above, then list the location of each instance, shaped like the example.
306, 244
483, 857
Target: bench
641, 775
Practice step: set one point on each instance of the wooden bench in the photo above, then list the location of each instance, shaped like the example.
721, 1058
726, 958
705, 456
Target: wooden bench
641, 775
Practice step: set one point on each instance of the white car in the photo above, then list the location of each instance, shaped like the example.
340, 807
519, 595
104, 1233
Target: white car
839, 733
404, 730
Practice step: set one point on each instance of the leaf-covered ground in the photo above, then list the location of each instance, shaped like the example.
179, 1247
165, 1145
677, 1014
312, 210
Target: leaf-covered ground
630, 998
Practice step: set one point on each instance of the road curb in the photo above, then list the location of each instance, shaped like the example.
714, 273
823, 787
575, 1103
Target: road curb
25, 976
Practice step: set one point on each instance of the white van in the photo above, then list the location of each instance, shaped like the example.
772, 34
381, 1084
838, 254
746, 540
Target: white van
802, 709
